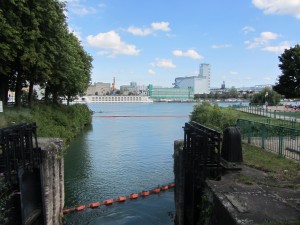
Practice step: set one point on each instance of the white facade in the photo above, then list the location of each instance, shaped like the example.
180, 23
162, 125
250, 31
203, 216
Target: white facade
115, 98
98, 88
200, 84
134, 89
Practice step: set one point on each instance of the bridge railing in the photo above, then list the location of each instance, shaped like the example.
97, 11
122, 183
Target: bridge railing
282, 140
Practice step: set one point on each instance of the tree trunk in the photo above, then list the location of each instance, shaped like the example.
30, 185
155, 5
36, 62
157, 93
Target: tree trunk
30, 94
4, 89
55, 97
68, 100
46, 95
18, 90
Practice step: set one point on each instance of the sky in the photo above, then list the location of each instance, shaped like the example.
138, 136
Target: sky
155, 41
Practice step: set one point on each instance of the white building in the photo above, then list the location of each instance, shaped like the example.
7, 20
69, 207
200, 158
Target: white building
134, 89
200, 84
98, 88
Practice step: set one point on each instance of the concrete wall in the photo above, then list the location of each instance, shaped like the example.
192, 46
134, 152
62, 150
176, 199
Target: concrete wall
52, 179
179, 181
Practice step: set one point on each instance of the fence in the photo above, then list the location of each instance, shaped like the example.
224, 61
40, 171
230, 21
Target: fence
20, 160
202, 147
200, 159
282, 140
276, 114
19, 148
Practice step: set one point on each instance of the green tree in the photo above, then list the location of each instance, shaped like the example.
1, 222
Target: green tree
233, 93
28, 39
77, 76
217, 95
37, 48
289, 81
267, 95
10, 43
214, 116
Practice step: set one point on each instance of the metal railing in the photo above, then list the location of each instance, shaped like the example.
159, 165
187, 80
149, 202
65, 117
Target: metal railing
276, 114
18, 148
284, 141
202, 151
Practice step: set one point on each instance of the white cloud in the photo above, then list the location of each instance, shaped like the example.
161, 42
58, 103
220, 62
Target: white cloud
279, 7
189, 53
161, 26
233, 72
279, 48
267, 78
76, 33
111, 44
71, 1
138, 31
262, 41
247, 29
164, 26
151, 72
221, 46
82, 10
102, 5
163, 63
78, 8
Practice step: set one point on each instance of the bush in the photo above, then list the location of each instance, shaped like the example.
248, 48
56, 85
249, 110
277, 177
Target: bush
214, 116
59, 121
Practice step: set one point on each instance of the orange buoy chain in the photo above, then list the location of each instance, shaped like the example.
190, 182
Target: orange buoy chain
120, 199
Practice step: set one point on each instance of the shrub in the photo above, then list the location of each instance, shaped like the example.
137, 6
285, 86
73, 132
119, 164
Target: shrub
214, 116
59, 121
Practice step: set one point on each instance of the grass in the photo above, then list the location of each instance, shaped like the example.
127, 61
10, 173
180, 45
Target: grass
285, 171
297, 222
59, 121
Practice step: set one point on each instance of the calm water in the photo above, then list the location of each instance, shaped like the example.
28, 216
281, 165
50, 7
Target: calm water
128, 149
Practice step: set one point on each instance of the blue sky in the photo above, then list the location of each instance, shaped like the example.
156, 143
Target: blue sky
155, 41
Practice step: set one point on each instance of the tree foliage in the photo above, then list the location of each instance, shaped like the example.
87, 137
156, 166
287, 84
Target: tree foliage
214, 116
37, 48
266, 96
289, 81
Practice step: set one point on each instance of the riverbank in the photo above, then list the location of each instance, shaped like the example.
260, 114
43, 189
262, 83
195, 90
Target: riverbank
58, 121
264, 190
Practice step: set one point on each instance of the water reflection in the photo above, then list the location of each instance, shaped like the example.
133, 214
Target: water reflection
124, 155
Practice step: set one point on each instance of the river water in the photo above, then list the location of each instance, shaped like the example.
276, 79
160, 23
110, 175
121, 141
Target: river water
127, 149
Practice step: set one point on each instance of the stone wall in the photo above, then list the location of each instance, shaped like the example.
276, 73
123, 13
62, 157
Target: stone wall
52, 179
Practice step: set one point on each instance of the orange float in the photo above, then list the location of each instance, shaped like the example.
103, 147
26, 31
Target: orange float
80, 208
108, 202
145, 193
156, 190
164, 188
133, 196
121, 199
65, 211
172, 185
95, 205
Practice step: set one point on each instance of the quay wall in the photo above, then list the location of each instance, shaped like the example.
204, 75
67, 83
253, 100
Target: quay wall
52, 179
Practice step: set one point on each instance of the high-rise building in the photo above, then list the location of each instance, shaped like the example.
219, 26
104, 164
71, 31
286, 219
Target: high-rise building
200, 84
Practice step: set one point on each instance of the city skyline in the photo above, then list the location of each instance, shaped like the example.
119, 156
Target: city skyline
154, 42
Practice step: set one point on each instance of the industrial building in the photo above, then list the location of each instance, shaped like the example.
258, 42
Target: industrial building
200, 84
170, 93
134, 89
98, 88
